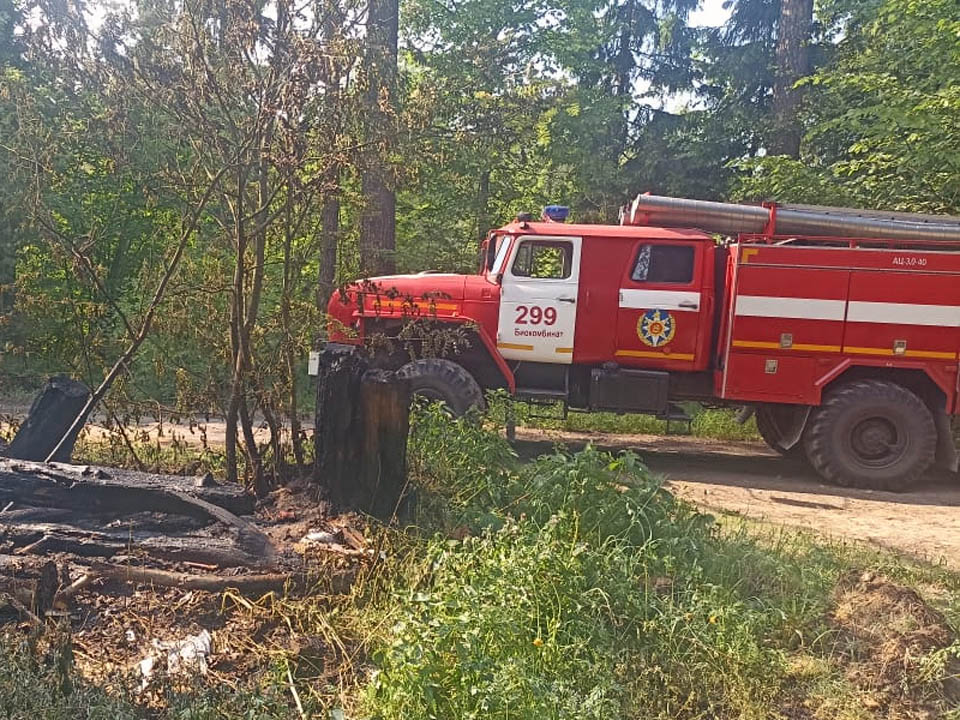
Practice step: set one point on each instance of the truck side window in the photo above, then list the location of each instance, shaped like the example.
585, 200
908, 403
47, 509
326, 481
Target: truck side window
548, 260
664, 264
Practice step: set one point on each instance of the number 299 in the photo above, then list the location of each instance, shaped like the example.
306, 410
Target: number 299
535, 315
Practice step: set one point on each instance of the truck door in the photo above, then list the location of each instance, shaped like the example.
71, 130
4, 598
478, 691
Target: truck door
660, 306
538, 300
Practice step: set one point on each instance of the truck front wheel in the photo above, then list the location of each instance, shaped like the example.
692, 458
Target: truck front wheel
871, 434
443, 380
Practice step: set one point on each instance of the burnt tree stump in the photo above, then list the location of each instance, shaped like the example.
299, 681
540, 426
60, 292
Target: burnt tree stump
361, 431
51, 415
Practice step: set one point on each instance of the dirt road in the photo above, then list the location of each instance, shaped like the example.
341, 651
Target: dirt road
750, 479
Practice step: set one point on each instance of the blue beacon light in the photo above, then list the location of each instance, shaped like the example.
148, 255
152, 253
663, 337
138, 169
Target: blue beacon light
556, 213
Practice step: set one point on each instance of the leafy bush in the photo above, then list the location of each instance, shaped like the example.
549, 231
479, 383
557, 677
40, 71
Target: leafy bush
582, 596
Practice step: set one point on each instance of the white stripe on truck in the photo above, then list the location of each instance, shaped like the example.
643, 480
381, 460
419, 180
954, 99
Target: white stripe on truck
659, 299
855, 311
904, 313
782, 307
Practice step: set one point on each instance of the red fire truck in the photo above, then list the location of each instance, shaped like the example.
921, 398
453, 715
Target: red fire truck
840, 328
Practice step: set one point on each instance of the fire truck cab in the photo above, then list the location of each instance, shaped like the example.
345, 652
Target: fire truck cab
846, 348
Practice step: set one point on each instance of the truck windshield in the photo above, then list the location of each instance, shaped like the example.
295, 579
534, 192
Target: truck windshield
503, 245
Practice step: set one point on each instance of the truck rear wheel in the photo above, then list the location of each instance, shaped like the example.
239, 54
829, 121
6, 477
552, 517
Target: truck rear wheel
871, 434
769, 430
443, 380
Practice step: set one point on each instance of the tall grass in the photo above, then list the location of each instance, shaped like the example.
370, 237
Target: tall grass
583, 591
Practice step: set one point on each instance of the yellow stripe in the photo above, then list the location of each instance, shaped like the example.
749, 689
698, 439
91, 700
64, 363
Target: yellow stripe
564, 350
935, 354
776, 346
659, 355
931, 354
756, 344
514, 346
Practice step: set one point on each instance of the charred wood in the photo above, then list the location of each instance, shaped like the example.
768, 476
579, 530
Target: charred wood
90, 488
50, 417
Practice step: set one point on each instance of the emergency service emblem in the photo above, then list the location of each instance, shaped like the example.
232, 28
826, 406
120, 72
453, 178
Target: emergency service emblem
656, 328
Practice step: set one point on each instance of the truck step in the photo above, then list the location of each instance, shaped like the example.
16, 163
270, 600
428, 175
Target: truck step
540, 395
675, 413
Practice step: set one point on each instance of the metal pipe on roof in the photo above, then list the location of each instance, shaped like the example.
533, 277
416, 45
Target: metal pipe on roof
807, 220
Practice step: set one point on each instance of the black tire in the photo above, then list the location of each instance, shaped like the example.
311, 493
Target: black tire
443, 380
767, 427
871, 434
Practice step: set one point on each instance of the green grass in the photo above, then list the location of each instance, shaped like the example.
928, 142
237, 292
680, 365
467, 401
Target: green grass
583, 590
715, 424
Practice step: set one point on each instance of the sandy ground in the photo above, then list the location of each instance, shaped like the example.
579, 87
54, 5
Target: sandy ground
750, 479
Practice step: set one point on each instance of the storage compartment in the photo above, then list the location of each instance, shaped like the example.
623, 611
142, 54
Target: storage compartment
629, 390
772, 378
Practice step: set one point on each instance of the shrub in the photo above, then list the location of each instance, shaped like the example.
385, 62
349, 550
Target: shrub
582, 596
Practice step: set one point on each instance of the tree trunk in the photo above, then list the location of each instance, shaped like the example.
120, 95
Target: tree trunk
329, 242
289, 348
337, 423
793, 63
378, 228
385, 410
378, 232
50, 419
483, 203
361, 434
237, 303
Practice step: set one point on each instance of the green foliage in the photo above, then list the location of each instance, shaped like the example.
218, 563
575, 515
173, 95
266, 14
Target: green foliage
589, 592
883, 131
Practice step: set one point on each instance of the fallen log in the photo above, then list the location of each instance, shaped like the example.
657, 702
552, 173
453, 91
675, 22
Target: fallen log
254, 540
245, 584
44, 538
338, 582
83, 487
36, 514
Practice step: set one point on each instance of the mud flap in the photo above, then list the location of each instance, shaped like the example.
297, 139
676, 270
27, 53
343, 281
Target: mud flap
791, 425
946, 457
